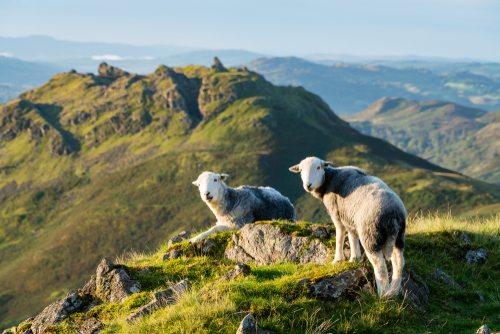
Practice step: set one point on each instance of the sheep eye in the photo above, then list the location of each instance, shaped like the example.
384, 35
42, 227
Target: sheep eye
215, 180
317, 168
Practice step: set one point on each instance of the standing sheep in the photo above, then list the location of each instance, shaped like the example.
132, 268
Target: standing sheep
234, 208
368, 209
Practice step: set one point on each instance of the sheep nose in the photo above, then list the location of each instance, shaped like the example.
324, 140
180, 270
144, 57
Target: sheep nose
207, 193
309, 186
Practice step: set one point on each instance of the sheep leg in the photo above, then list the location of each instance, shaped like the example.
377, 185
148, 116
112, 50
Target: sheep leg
339, 243
381, 276
214, 229
398, 263
355, 248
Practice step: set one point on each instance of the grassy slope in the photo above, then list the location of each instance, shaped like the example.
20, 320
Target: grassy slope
271, 292
456, 137
76, 211
349, 88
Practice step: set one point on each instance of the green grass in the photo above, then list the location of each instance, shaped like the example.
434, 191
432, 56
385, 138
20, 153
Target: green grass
272, 295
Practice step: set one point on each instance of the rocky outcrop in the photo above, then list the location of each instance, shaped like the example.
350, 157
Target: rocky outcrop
414, 288
183, 236
241, 270
477, 257
267, 244
91, 326
440, 275
218, 65
249, 326
53, 314
161, 299
111, 284
109, 71
335, 287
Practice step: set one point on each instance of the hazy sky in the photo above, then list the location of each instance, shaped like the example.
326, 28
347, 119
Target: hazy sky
445, 28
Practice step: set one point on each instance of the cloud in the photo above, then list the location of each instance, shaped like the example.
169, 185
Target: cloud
6, 54
107, 57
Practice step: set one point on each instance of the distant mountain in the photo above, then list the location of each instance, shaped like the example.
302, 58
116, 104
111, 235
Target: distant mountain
92, 165
350, 88
48, 49
450, 135
17, 76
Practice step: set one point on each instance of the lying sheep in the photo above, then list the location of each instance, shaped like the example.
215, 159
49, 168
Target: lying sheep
234, 208
368, 209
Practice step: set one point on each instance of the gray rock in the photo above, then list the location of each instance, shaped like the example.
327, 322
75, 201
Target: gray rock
320, 232
184, 235
331, 231
333, 288
484, 329
161, 299
266, 244
241, 270
304, 281
53, 314
91, 326
172, 255
414, 288
206, 245
478, 256
445, 278
249, 326
237, 253
145, 271
464, 238
317, 253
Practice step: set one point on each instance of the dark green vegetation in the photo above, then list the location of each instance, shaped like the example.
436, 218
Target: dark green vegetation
17, 76
272, 295
92, 165
350, 88
459, 138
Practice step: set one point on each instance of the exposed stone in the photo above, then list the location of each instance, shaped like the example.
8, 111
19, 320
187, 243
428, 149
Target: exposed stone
237, 253
145, 271
218, 65
320, 232
241, 270
206, 245
91, 326
445, 278
161, 299
304, 281
414, 288
184, 235
478, 256
333, 288
484, 329
317, 253
465, 238
331, 231
249, 326
53, 314
109, 71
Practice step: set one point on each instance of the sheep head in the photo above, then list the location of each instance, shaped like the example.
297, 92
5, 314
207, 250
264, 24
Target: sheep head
211, 186
312, 172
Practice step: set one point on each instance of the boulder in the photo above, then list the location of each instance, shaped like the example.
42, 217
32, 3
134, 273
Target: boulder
184, 235
161, 299
241, 270
478, 256
445, 278
53, 314
484, 329
333, 288
91, 326
111, 284
267, 244
414, 288
249, 326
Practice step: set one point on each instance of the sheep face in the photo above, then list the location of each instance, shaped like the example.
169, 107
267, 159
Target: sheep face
211, 186
312, 172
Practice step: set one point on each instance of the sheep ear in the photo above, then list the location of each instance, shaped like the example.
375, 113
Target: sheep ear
223, 177
196, 183
326, 164
295, 169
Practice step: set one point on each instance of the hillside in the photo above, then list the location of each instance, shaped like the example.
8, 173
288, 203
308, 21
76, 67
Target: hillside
463, 139
350, 88
92, 165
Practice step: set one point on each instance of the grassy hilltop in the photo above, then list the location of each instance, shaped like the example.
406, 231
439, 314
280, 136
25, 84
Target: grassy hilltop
92, 165
453, 136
